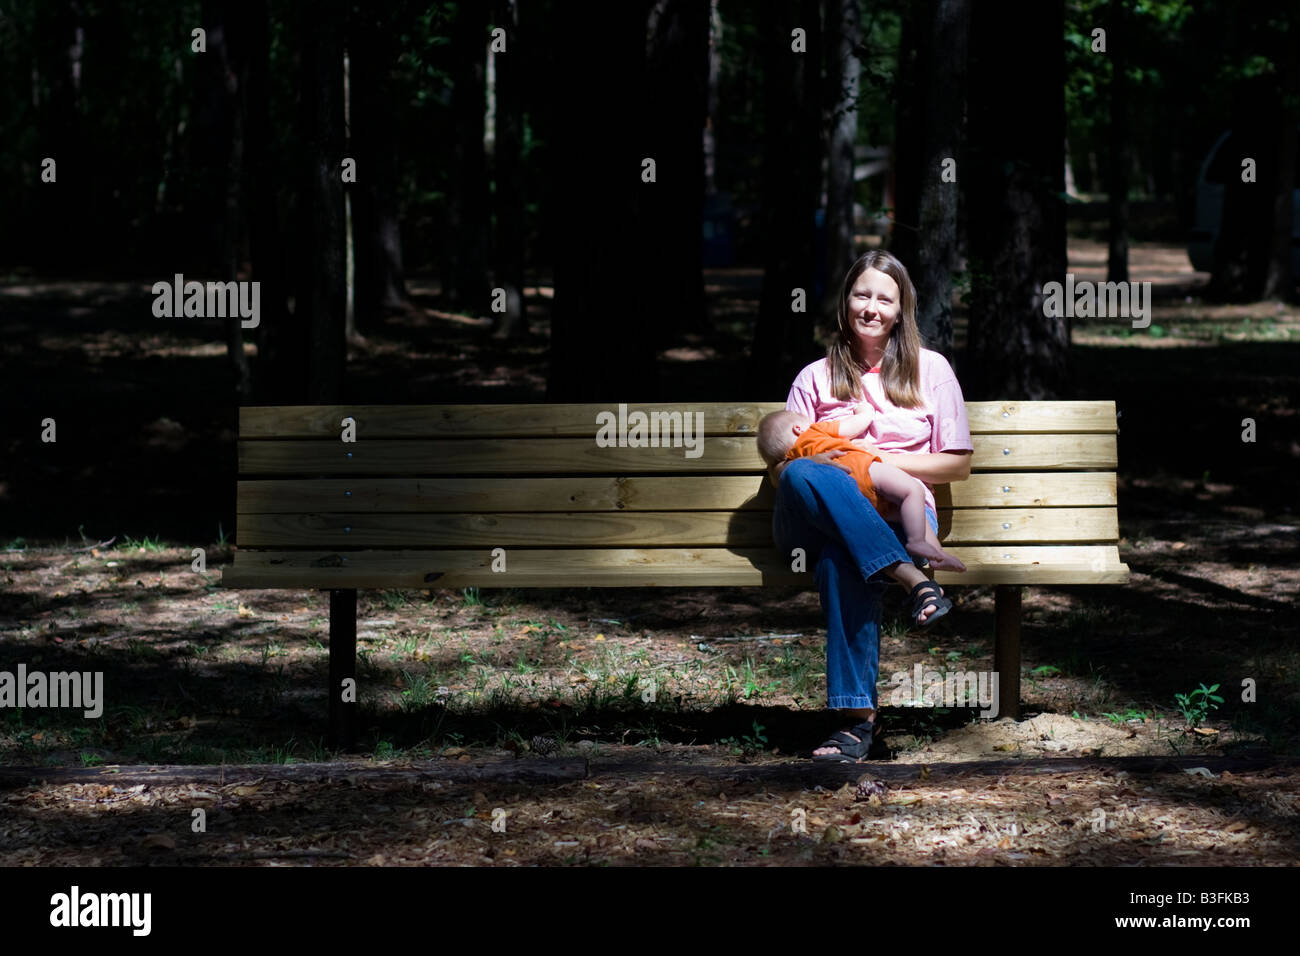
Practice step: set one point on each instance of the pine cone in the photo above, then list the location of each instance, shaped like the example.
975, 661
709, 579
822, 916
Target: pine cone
868, 788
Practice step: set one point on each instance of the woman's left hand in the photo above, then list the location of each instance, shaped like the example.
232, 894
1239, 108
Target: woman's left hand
868, 447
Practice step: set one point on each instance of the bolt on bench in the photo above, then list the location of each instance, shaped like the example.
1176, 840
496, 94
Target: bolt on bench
523, 496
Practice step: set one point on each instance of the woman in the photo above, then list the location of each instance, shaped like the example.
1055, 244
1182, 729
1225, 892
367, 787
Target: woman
920, 427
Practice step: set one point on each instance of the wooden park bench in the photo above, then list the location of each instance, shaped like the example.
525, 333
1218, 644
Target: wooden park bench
523, 496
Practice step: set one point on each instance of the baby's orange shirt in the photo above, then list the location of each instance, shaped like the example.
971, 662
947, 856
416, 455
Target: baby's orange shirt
825, 436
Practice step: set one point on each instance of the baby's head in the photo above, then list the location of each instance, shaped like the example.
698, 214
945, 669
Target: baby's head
777, 434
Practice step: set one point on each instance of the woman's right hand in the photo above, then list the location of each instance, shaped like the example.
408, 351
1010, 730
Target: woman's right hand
828, 458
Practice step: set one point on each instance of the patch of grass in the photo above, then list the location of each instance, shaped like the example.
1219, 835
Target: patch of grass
147, 543
1131, 713
895, 626
418, 693
394, 599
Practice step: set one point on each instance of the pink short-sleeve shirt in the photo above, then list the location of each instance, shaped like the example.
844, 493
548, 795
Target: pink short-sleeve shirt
940, 425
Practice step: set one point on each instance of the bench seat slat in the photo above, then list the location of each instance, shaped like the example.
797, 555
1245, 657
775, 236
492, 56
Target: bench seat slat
578, 456
699, 493
658, 567
637, 529
577, 421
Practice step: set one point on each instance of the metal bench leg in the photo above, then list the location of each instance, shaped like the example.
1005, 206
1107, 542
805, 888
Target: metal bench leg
343, 667
1006, 648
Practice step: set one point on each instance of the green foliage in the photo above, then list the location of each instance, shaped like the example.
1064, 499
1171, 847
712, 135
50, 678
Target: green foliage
1196, 705
751, 743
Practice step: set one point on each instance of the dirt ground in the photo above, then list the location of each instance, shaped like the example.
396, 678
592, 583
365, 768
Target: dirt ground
619, 727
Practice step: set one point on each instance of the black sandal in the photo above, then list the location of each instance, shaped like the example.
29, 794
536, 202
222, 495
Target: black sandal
851, 751
924, 595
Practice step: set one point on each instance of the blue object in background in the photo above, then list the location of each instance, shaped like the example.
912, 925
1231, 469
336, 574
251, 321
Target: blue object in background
718, 232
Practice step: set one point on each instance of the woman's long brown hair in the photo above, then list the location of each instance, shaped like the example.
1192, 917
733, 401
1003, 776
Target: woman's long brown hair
900, 368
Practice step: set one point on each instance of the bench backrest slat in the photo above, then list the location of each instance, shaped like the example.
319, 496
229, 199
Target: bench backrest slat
648, 493
579, 421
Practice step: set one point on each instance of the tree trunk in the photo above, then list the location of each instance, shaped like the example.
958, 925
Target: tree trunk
59, 33
783, 337
1016, 218
377, 241
469, 209
931, 112
322, 285
215, 198
1118, 157
602, 340
281, 376
671, 209
711, 109
843, 34
507, 165
1280, 277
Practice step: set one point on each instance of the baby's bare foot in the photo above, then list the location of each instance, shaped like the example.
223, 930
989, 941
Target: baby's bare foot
939, 559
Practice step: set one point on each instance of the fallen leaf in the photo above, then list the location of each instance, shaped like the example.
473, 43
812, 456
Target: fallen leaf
244, 611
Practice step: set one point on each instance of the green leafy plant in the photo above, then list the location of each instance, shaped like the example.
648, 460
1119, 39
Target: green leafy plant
747, 743
1196, 706
1130, 714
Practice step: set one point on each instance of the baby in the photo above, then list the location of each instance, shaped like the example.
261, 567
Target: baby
789, 435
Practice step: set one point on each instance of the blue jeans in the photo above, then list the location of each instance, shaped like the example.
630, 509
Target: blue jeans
820, 509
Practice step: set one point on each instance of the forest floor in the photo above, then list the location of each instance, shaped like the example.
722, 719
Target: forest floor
635, 726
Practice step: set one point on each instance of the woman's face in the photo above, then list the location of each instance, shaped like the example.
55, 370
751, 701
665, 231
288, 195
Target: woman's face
873, 310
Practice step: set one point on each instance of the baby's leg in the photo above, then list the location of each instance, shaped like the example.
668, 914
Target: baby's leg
905, 491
